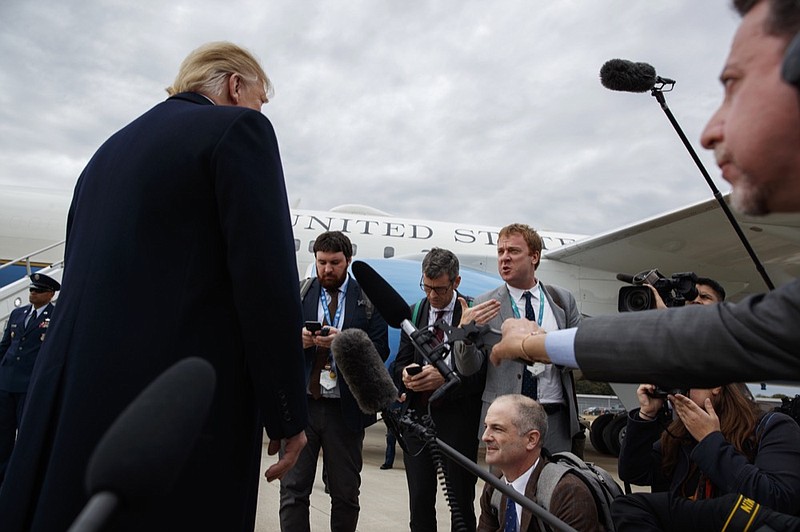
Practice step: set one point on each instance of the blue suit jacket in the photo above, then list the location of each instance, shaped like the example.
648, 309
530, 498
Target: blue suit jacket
20, 347
355, 315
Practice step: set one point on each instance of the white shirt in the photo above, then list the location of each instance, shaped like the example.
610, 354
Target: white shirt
548, 377
519, 486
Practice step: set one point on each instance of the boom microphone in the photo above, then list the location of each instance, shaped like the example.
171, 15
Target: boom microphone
364, 371
627, 76
389, 303
396, 312
142, 453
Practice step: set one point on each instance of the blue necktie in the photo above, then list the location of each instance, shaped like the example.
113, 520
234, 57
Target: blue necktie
510, 522
529, 387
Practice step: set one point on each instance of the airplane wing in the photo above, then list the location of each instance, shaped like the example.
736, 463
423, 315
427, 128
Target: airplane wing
698, 238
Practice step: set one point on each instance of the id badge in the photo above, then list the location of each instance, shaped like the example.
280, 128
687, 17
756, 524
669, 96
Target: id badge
536, 369
327, 379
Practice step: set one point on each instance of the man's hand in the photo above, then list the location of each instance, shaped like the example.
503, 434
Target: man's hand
308, 338
515, 332
325, 339
291, 452
698, 421
481, 314
427, 380
657, 297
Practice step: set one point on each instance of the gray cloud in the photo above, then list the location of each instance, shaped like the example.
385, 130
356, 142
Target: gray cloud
451, 110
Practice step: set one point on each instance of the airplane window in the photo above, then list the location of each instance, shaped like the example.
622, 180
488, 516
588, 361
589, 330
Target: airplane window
355, 250
311, 247
296, 245
388, 252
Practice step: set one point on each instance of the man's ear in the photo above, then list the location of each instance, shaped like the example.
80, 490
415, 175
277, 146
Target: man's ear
534, 439
234, 88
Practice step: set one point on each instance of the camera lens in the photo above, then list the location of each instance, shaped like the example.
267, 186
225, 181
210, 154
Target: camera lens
634, 299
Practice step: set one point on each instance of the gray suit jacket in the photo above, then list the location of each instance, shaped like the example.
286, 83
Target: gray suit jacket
507, 377
755, 340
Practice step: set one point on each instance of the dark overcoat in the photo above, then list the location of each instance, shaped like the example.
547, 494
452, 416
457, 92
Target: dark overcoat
179, 244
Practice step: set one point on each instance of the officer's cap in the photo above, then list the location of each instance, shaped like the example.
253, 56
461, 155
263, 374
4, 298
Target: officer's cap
43, 282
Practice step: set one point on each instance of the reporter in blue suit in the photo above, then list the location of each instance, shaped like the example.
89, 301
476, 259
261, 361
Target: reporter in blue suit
179, 244
25, 331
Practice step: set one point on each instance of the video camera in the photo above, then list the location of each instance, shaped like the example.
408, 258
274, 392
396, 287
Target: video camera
675, 290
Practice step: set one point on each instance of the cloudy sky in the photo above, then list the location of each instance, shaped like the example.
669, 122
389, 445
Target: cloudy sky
458, 110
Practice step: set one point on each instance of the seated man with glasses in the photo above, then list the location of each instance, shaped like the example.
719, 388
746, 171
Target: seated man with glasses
23, 336
456, 415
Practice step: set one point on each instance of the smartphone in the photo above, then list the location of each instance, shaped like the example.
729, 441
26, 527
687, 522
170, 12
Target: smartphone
414, 370
313, 326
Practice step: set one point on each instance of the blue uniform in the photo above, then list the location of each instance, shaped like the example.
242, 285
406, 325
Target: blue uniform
18, 351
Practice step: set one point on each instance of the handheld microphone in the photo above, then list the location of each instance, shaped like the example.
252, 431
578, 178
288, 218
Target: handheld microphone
396, 312
144, 450
627, 76
364, 371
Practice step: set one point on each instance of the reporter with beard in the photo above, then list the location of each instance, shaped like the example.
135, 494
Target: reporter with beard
336, 425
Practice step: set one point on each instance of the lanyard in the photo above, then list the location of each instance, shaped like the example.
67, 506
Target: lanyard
541, 306
323, 295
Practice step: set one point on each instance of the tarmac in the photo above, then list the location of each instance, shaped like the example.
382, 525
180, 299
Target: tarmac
384, 493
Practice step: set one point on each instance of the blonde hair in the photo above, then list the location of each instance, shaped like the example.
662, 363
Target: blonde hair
206, 69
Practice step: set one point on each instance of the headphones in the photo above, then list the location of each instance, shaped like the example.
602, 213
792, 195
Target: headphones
790, 69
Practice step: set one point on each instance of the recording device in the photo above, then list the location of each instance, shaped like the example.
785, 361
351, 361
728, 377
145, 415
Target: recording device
143, 452
662, 393
365, 373
314, 326
627, 76
675, 290
395, 311
414, 370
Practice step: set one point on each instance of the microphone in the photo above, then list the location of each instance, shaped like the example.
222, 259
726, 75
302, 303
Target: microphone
364, 371
627, 76
396, 312
390, 304
142, 453
625, 278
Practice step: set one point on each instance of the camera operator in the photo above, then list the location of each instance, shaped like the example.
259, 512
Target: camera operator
709, 292
719, 442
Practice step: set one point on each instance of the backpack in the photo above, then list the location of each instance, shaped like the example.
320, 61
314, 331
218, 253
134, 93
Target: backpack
601, 484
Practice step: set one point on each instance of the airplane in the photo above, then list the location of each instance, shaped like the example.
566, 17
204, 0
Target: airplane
695, 238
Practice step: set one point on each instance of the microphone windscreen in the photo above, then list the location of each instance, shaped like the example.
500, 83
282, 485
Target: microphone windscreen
389, 303
142, 453
625, 278
623, 75
364, 371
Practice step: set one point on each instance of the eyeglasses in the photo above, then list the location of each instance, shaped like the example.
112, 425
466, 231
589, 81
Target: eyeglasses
440, 290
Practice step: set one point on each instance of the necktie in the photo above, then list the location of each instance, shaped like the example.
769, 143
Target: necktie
510, 522
529, 387
31, 317
321, 358
440, 333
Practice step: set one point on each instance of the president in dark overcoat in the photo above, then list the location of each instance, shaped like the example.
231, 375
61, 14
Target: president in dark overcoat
179, 244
